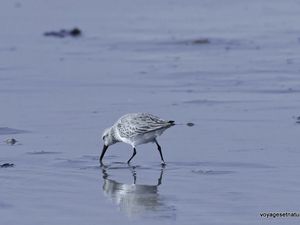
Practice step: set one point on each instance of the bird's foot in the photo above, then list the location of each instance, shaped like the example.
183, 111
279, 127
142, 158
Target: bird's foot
101, 164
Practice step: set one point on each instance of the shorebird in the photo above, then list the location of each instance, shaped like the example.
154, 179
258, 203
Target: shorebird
135, 129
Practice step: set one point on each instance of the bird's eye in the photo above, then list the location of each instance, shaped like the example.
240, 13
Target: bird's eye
104, 136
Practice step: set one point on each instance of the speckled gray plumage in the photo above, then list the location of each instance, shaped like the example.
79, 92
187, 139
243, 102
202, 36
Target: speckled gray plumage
134, 124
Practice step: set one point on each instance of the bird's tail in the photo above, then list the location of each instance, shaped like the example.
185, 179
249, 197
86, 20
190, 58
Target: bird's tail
171, 122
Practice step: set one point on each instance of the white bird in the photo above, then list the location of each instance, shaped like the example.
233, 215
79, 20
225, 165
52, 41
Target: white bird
135, 129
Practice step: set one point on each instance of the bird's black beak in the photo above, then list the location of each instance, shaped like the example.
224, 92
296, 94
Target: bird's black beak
105, 147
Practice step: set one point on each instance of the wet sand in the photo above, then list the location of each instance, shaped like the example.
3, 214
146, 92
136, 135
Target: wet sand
230, 68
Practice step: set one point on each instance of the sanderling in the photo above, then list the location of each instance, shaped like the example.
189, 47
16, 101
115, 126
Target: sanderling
135, 129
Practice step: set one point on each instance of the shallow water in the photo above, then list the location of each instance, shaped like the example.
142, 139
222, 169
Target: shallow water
240, 89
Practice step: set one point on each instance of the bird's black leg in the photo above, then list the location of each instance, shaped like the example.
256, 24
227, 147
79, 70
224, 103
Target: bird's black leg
159, 149
133, 154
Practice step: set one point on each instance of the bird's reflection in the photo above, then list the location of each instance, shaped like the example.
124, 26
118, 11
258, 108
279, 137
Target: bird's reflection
137, 199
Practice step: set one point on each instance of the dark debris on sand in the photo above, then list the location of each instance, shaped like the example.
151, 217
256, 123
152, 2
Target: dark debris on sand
11, 141
200, 41
75, 32
190, 124
6, 165
196, 41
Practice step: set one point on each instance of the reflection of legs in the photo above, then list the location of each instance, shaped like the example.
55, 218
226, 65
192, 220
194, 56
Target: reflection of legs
161, 174
159, 149
105, 175
133, 154
132, 169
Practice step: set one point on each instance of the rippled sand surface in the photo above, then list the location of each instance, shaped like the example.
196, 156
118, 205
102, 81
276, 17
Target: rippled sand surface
231, 68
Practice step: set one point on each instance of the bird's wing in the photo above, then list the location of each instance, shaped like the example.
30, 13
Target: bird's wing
135, 124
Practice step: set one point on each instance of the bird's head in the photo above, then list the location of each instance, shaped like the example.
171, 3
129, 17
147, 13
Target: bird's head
107, 137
